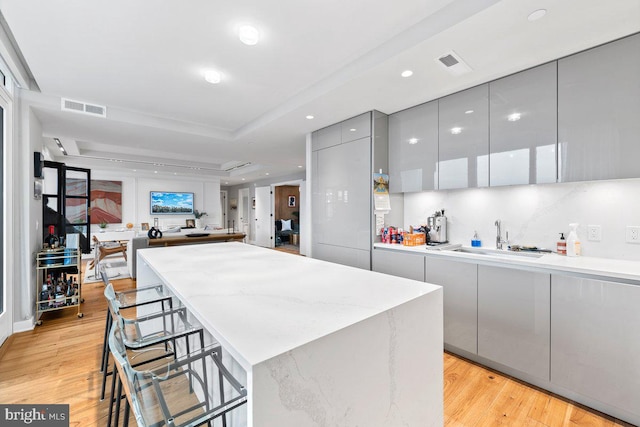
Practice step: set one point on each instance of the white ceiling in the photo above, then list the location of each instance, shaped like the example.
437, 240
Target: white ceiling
144, 60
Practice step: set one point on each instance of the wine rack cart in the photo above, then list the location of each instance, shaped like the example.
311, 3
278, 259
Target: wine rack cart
53, 264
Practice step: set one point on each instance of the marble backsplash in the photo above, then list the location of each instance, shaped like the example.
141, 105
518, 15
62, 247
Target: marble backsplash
534, 215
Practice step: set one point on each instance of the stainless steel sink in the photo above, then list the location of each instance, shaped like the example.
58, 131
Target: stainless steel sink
498, 253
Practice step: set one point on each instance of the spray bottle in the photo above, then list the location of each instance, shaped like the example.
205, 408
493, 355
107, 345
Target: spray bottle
573, 242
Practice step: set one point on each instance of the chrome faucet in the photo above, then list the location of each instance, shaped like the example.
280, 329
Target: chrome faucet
498, 235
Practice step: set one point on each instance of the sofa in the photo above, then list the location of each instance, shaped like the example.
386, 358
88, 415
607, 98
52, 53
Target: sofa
284, 229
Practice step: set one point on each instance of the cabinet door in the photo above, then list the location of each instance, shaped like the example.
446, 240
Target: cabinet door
523, 128
397, 263
595, 340
598, 110
514, 309
356, 128
413, 149
342, 195
341, 255
326, 137
459, 281
463, 159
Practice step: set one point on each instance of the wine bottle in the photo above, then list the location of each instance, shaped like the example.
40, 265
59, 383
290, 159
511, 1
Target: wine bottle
51, 240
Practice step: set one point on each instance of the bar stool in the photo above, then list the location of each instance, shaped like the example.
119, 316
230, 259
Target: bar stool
142, 333
129, 299
157, 392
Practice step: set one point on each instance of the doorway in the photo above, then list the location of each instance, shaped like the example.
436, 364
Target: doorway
286, 203
243, 213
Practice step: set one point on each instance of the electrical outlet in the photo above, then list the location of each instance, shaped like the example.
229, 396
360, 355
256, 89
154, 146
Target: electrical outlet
633, 234
594, 233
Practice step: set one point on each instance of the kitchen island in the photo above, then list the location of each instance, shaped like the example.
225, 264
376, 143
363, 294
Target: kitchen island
315, 343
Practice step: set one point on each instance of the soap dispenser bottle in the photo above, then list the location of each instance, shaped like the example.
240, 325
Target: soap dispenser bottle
562, 245
475, 241
573, 242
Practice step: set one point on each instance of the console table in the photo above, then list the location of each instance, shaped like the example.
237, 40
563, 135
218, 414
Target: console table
182, 239
315, 343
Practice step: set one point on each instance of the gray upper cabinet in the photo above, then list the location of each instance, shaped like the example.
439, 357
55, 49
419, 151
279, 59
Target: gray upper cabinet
326, 137
523, 127
356, 128
350, 130
463, 124
413, 149
598, 111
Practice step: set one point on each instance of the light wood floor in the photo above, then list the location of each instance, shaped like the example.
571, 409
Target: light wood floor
58, 363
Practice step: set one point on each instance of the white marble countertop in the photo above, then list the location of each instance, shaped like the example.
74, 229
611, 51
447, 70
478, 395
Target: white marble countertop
264, 303
601, 267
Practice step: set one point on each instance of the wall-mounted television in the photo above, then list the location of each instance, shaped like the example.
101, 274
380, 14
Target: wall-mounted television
171, 203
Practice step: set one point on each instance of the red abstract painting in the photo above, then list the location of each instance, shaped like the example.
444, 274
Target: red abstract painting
106, 202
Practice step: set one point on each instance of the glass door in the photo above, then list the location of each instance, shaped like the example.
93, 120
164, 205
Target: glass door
66, 201
76, 204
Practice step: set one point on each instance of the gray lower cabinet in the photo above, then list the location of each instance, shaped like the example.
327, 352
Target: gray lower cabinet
514, 316
595, 342
460, 286
598, 110
401, 264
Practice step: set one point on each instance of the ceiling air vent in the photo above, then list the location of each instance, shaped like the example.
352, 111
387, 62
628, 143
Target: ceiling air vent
453, 63
84, 108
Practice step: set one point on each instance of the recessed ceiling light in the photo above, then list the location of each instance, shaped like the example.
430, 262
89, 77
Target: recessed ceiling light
155, 171
310, 117
413, 141
513, 117
226, 182
300, 166
248, 35
135, 170
352, 130
456, 130
243, 179
536, 14
407, 73
213, 76
469, 112
267, 173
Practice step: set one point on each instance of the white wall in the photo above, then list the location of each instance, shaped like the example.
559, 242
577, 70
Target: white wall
28, 217
136, 193
536, 214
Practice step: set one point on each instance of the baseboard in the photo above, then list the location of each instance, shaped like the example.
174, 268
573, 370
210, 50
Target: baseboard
24, 325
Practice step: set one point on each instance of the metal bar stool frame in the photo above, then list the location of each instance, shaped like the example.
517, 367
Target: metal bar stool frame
165, 337
143, 296
134, 380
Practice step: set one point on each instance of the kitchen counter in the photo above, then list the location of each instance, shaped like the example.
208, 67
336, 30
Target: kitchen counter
316, 340
551, 262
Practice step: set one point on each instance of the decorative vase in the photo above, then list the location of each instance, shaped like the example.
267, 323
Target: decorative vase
198, 223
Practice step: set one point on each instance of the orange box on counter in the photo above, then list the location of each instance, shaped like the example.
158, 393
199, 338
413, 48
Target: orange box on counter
415, 239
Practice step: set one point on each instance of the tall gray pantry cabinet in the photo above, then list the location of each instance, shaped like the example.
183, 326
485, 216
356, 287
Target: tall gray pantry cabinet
344, 157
